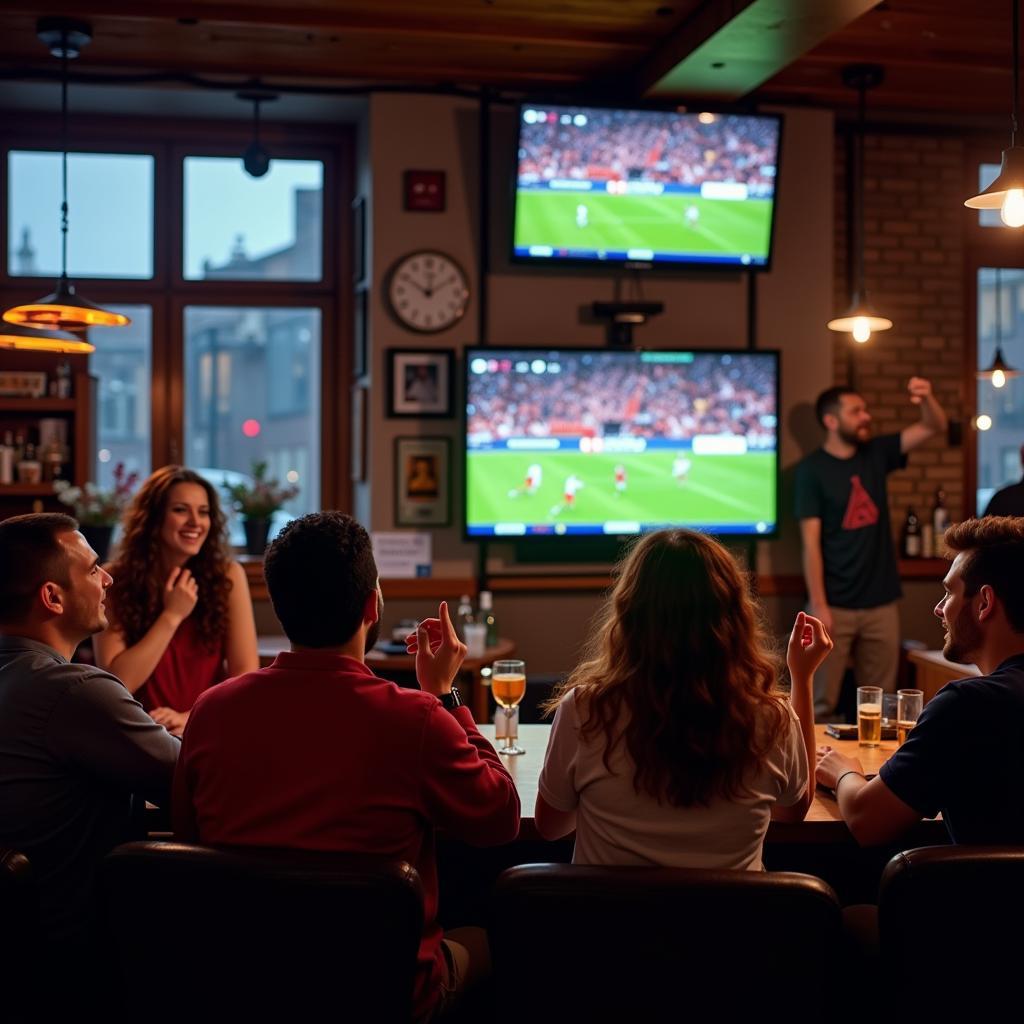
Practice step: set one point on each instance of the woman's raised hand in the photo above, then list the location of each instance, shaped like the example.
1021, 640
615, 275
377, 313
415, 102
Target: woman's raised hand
181, 592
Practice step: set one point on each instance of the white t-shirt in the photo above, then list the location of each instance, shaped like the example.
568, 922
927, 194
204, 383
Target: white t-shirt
617, 825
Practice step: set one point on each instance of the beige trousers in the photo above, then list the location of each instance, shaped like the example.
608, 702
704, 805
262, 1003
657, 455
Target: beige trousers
872, 637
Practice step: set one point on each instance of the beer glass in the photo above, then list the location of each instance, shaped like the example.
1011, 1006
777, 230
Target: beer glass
869, 715
909, 710
508, 684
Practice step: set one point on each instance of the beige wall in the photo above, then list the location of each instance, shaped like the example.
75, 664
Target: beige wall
794, 300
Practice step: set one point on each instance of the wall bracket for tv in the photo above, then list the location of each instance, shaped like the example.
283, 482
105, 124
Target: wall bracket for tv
622, 317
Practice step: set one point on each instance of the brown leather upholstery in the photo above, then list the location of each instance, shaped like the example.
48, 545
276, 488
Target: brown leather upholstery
250, 935
18, 934
592, 943
951, 924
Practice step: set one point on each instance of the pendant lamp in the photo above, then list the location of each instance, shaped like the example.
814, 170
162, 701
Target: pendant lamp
999, 372
39, 339
256, 160
860, 318
1006, 193
64, 309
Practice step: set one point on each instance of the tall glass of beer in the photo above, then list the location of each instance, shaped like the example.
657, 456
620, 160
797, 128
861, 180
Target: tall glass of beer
869, 715
908, 712
508, 684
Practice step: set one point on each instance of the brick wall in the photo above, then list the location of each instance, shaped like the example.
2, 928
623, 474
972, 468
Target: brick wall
913, 264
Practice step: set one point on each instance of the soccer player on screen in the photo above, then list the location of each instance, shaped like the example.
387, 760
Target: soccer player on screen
572, 484
692, 216
582, 215
620, 479
680, 469
531, 482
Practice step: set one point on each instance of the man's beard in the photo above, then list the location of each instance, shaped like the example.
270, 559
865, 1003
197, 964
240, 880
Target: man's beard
855, 437
964, 638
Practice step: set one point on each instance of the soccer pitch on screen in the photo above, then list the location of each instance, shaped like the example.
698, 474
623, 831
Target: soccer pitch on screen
721, 227
725, 490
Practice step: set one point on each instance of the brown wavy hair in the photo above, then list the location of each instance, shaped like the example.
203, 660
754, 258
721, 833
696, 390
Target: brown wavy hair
137, 590
680, 670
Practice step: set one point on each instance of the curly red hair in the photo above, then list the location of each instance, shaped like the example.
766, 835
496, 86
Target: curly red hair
680, 670
136, 595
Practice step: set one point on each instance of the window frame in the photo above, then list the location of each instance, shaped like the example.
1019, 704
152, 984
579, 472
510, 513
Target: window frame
169, 141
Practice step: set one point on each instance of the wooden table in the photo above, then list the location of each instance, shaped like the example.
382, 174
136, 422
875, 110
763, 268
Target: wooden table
823, 824
476, 688
933, 671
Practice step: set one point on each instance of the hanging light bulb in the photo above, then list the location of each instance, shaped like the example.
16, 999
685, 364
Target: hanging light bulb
983, 422
861, 318
999, 371
63, 309
1006, 193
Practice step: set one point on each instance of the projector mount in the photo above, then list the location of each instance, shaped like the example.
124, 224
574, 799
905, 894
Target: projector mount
622, 317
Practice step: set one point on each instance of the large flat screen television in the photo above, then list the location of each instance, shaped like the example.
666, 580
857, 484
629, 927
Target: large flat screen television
571, 442
644, 188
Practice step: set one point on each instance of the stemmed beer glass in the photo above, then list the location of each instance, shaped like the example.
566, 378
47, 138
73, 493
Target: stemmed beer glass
508, 684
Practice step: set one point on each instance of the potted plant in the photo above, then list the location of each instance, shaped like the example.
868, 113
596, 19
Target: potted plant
257, 503
98, 511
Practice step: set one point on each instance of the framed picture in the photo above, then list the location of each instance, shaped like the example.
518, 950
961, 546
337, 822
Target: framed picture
423, 481
420, 382
360, 333
23, 384
358, 240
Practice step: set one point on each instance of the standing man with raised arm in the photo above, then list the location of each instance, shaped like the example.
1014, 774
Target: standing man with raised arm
850, 568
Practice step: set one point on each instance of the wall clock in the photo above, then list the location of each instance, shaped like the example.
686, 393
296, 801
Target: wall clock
427, 291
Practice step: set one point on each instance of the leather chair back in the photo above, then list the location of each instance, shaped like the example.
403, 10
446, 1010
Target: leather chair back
571, 942
950, 929
242, 934
19, 934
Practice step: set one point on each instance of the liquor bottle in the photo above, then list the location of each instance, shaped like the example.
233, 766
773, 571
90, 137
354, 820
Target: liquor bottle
7, 459
940, 515
64, 380
487, 617
464, 616
911, 535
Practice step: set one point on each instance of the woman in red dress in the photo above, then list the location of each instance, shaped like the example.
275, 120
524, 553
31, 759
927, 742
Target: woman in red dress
179, 607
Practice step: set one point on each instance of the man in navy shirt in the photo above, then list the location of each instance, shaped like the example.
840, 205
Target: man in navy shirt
965, 756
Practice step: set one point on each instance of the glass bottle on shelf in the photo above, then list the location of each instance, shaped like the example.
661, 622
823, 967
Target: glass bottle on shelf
940, 515
487, 617
7, 459
464, 616
911, 535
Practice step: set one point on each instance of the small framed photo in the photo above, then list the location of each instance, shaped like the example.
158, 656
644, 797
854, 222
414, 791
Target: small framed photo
420, 382
23, 384
423, 481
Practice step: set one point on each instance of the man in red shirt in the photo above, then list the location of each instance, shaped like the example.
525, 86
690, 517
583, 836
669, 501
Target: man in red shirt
315, 752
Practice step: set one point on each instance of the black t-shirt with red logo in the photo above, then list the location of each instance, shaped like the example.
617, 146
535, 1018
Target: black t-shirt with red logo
849, 497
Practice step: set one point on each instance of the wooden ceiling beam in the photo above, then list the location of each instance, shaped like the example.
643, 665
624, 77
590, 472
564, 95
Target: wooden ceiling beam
727, 48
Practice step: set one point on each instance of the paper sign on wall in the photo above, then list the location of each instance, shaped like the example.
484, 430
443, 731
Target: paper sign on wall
403, 555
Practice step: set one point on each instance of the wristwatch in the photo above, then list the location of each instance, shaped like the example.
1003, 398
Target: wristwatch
452, 699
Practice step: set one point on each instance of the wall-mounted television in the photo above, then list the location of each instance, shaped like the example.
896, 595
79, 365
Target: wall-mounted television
644, 188
573, 442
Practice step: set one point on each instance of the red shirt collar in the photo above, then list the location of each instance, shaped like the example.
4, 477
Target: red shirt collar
320, 661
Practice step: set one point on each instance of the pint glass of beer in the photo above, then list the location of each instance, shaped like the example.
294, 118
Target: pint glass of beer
869, 715
908, 712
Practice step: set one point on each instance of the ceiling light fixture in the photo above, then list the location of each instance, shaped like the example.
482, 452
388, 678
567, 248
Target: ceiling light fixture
861, 318
64, 308
37, 339
256, 160
1006, 193
999, 372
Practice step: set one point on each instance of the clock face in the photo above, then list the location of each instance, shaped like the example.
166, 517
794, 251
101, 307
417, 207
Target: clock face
428, 291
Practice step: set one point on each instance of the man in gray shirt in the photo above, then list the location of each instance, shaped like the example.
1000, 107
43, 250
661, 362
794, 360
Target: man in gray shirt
74, 743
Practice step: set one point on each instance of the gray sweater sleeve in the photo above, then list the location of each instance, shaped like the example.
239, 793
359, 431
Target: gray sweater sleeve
98, 727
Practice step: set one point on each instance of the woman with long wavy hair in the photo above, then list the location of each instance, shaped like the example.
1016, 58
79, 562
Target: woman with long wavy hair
672, 743
180, 614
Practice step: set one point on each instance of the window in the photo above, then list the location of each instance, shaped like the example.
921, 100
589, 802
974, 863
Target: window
1000, 411
240, 228
110, 202
239, 362
231, 283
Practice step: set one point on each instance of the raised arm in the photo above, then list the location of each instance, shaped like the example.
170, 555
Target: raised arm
134, 665
241, 654
933, 418
814, 570
809, 646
